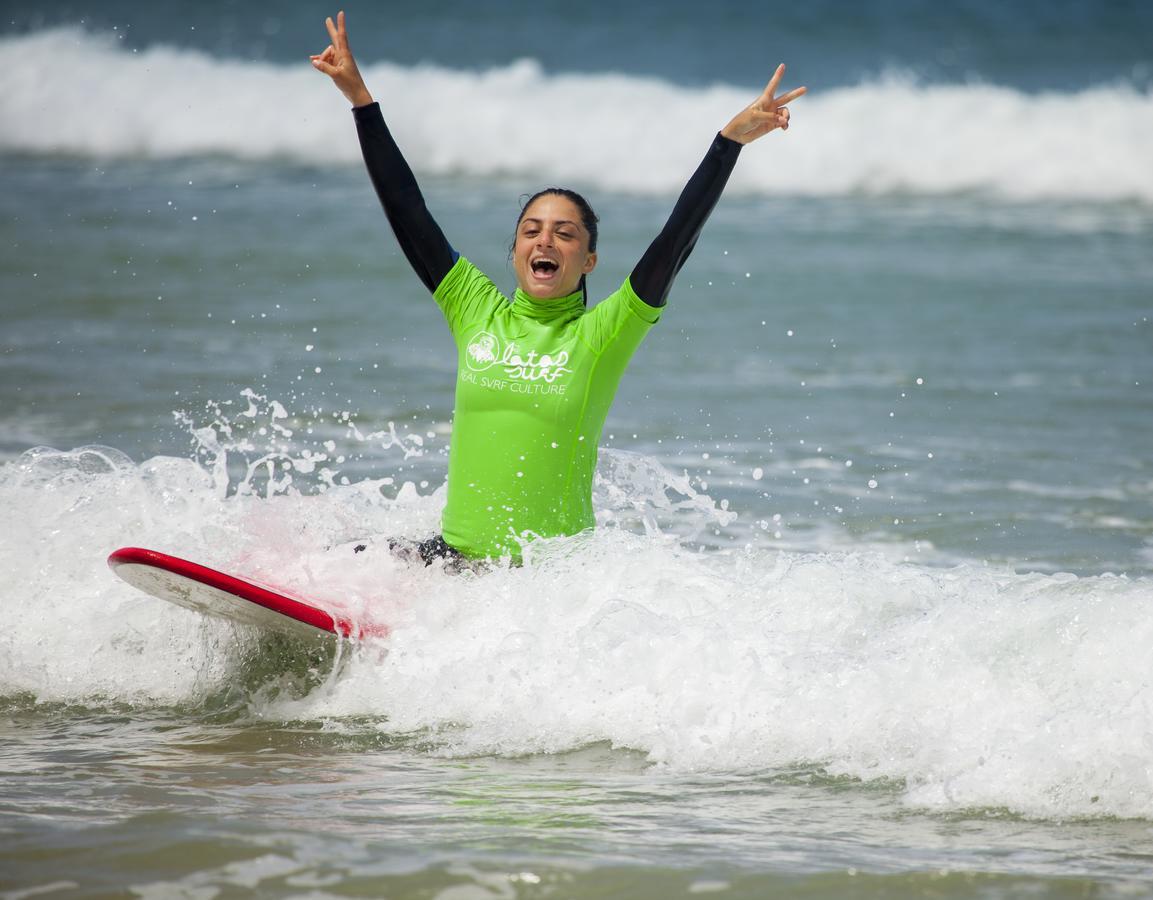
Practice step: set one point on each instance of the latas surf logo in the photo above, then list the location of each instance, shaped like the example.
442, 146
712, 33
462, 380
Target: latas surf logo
484, 352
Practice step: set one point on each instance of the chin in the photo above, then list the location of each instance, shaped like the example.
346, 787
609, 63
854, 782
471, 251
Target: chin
549, 291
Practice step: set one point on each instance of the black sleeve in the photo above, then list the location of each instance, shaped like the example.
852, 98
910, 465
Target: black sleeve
654, 274
419, 236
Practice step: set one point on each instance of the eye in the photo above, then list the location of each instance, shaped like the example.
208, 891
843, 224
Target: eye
568, 236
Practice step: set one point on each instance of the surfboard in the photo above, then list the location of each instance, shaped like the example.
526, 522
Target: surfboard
214, 593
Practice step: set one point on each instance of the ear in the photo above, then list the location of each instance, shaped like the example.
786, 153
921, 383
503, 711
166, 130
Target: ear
590, 264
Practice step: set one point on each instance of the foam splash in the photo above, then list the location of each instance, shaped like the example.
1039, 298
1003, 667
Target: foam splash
973, 687
891, 135
262, 449
263, 495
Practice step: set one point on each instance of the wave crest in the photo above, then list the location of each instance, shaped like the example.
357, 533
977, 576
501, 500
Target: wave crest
892, 135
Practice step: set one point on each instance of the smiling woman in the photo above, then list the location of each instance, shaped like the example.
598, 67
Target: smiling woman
558, 239
537, 373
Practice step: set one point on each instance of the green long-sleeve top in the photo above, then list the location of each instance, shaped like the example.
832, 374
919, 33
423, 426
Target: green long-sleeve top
535, 378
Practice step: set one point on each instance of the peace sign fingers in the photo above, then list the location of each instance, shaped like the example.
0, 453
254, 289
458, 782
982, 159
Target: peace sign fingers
790, 96
337, 33
766, 98
764, 114
336, 61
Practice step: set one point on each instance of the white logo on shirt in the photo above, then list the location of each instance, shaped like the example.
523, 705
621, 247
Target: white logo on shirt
484, 351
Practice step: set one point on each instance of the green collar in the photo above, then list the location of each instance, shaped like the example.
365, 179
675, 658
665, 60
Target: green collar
569, 307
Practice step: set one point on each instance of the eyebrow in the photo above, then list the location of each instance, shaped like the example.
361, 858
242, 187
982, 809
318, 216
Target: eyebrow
557, 222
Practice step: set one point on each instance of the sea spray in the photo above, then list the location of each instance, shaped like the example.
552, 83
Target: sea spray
262, 496
968, 686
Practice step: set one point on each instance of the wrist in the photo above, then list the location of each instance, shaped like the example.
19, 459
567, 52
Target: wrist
359, 98
732, 134
735, 133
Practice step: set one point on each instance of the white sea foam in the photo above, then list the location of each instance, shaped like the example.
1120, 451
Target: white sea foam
889, 136
974, 687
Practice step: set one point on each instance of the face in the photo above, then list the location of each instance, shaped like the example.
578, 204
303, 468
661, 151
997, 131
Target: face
551, 250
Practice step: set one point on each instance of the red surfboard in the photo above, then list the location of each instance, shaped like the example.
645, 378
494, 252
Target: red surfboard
214, 593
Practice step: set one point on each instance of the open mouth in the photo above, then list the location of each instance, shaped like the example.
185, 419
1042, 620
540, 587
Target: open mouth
544, 268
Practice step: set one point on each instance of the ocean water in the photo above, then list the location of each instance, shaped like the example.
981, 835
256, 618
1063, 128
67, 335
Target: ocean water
867, 612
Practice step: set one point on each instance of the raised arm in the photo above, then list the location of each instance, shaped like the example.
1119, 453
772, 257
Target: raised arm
653, 276
424, 244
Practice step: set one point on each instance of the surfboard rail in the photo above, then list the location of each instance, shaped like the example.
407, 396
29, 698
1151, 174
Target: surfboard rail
149, 570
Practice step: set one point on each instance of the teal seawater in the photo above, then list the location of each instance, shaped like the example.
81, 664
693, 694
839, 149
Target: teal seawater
868, 611
1029, 44
959, 379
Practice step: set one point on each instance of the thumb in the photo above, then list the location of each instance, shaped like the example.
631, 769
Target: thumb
324, 67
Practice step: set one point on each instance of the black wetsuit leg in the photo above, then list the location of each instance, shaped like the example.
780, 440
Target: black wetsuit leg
434, 549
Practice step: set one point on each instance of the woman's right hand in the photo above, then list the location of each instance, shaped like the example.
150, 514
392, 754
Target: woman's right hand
337, 63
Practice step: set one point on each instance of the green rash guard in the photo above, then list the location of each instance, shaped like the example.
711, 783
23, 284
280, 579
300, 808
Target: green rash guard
535, 380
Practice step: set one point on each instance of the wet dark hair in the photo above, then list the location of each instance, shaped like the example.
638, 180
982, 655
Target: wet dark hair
588, 220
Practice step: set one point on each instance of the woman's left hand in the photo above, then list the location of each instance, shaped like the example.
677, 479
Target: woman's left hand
764, 114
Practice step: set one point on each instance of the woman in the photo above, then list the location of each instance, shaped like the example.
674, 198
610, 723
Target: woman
537, 374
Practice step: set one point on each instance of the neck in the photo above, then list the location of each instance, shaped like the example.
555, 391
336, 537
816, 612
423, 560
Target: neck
526, 304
